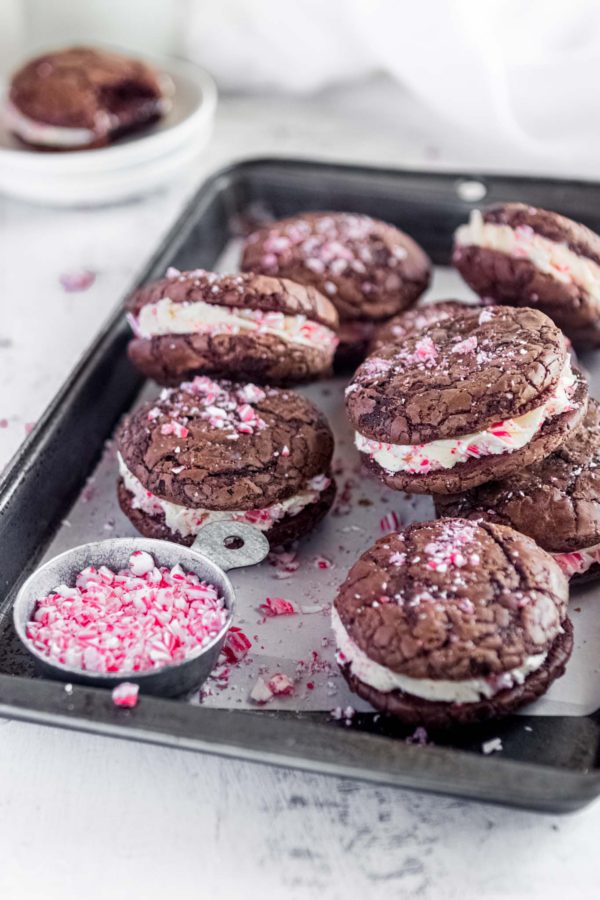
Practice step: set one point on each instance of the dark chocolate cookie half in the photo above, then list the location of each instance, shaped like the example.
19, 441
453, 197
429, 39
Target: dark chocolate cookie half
482, 393
84, 97
452, 621
268, 330
212, 450
369, 269
556, 501
519, 255
414, 320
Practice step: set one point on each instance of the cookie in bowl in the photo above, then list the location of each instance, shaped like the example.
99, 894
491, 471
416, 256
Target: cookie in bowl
520, 255
254, 327
556, 501
369, 269
468, 400
216, 450
452, 622
83, 97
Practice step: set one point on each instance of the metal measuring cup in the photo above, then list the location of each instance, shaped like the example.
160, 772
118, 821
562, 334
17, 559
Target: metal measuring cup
218, 547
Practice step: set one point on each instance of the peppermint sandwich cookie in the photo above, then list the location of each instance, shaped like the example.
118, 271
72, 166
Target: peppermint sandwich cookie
518, 255
81, 97
369, 269
210, 451
452, 622
246, 326
556, 501
414, 320
468, 400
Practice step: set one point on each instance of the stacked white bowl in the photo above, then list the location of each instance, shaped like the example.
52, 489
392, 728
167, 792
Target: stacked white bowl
127, 168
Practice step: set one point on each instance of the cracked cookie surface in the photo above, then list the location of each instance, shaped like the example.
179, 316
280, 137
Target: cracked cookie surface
455, 600
413, 321
457, 376
369, 269
226, 446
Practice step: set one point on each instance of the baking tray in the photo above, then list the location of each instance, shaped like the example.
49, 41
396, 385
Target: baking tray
549, 757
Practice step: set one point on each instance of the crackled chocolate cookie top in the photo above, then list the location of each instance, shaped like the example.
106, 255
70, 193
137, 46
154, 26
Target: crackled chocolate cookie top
243, 291
221, 445
458, 376
556, 501
368, 268
84, 96
414, 320
453, 600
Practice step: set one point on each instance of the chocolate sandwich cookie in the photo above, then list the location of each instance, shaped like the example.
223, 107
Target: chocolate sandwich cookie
81, 97
369, 269
246, 326
468, 400
452, 622
210, 451
523, 256
414, 320
556, 501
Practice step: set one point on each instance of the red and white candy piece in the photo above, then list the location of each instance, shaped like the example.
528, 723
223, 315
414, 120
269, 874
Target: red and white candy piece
126, 694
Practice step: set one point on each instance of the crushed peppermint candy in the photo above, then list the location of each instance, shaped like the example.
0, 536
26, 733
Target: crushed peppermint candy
418, 737
78, 280
347, 245
277, 606
236, 645
261, 692
397, 559
268, 686
492, 746
389, 522
126, 694
452, 546
227, 407
280, 684
468, 345
140, 618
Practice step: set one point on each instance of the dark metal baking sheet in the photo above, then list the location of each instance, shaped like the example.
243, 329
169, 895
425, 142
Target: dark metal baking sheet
547, 762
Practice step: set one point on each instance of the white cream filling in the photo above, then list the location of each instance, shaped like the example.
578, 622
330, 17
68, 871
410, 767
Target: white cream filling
43, 133
188, 521
578, 561
501, 437
383, 679
550, 257
167, 317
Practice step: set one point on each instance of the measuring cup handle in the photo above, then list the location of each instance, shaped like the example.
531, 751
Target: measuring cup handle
231, 545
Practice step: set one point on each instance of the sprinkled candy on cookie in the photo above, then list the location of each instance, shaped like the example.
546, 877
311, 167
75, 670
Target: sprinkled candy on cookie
219, 450
452, 622
467, 400
369, 269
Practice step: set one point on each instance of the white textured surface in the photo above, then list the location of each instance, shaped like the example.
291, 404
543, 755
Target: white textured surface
83, 816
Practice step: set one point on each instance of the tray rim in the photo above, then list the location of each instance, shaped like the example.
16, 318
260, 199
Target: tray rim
572, 788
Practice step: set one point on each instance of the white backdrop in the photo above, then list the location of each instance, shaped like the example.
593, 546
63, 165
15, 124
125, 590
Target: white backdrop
523, 73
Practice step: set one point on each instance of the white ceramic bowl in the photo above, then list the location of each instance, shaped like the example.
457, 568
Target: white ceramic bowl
131, 166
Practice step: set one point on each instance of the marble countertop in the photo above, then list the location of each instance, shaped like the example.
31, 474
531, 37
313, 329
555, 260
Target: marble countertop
93, 817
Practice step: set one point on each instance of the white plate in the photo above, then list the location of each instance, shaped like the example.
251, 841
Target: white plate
127, 168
